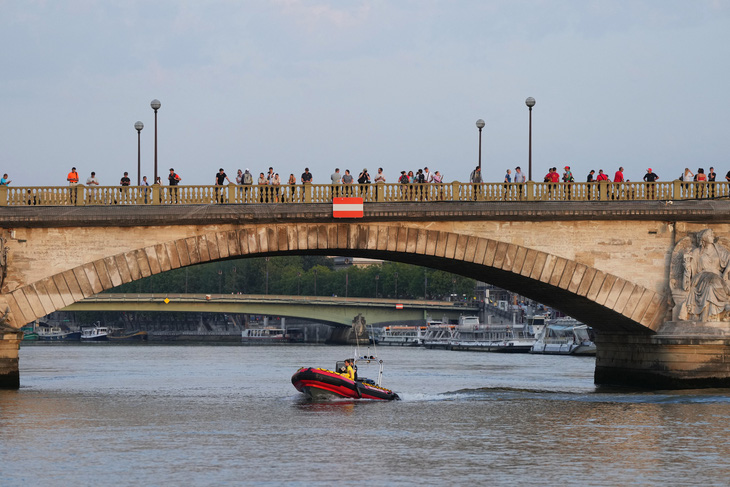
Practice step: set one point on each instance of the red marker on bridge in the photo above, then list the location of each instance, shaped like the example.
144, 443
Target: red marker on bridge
347, 207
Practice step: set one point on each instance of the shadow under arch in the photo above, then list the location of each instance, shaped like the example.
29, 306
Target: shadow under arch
602, 300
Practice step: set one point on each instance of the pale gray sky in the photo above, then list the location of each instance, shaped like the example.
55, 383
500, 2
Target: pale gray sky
353, 84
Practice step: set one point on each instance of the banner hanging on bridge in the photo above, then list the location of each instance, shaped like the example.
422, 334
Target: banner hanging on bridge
347, 207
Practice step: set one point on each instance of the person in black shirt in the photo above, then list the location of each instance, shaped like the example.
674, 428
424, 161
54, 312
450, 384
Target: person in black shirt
125, 182
650, 177
174, 179
220, 177
306, 176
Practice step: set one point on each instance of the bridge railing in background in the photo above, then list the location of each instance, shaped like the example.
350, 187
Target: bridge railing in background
381, 192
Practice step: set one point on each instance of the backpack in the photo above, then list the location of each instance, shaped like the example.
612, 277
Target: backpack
403, 179
247, 178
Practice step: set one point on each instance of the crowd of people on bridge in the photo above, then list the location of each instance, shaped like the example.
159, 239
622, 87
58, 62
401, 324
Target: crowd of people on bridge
425, 175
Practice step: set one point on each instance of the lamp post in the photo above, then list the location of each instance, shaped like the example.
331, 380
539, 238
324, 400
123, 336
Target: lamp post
220, 282
299, 281
425, 283
530, 102
377, 278
396, 285
139, 126
267, 276
155, 104
315, 282
480, 126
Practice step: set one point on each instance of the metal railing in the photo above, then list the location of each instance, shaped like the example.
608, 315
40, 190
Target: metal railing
379, 192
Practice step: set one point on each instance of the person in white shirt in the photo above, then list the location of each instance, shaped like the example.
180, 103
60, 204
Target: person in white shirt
91, 181
427, 176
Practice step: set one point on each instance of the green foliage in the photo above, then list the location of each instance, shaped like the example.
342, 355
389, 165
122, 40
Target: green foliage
300, 275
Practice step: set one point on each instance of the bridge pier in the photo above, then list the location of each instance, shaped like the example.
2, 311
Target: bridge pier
9, 345
681, 355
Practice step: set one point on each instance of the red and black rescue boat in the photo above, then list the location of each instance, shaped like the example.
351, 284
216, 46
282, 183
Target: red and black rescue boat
318, 383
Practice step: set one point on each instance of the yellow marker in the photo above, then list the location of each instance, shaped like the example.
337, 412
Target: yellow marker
167, 300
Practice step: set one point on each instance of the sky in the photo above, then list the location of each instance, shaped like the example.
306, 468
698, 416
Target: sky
397, 84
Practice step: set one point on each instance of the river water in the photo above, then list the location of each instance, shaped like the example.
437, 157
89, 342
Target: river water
109, 414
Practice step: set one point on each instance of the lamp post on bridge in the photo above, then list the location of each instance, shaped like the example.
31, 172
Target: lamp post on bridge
396, 285
530, 102
139, 126
267, 275
155, 104
299, 281
315, 281
377, 278
480, 126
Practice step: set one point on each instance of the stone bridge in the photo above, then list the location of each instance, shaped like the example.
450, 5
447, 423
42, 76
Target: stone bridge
616, 265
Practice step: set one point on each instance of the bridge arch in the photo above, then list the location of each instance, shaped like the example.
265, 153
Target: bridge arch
606, 301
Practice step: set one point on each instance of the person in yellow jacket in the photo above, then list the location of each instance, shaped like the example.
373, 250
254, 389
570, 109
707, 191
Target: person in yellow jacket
349, 370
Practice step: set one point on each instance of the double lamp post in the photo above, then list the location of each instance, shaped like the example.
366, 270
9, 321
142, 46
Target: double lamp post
155, 104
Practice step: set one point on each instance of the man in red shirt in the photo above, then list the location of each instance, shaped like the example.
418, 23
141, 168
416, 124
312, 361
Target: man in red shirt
619, 177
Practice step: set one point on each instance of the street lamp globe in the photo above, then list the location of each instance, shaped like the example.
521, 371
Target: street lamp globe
139, 126
155, 104
480, 124
530, 102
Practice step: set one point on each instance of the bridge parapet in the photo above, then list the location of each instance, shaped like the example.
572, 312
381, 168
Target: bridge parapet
380, 192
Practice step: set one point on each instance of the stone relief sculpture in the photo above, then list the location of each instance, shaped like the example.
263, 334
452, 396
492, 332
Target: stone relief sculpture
358, 325
699, 275
3, 261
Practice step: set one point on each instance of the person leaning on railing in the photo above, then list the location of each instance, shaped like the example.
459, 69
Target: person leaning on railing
174, 180
650, 177
73, 180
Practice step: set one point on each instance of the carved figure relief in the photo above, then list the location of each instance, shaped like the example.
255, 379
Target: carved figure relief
3, 261
358, 325
699, 278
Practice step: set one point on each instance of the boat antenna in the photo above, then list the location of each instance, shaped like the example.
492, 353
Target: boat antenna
372, 334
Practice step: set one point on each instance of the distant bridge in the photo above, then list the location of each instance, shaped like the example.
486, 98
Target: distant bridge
332, 310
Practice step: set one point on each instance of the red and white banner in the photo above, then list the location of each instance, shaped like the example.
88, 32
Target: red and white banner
347, 207
398, 306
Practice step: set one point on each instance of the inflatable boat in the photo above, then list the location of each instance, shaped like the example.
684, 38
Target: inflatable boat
318, 383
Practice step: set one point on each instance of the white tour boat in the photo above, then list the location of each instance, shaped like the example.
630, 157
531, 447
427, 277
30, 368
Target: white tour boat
404, 336
267, 335
564, 336
477, 337
438, 335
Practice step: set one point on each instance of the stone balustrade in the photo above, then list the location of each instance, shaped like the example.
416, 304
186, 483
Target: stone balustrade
379, 192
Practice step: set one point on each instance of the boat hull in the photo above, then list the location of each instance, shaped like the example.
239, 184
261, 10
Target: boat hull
319, 383
564, 349
95, 338
137, 336
74, 336
499, 347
